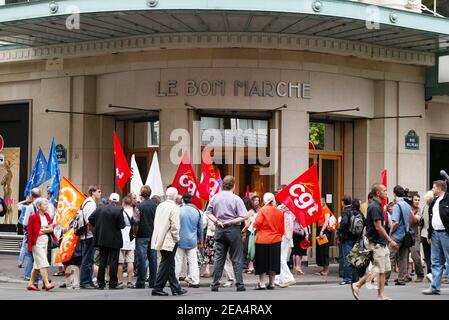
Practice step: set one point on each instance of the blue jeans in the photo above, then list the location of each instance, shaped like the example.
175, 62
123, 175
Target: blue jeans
87, 263
23, 249
348, 274
144, 253
439, 256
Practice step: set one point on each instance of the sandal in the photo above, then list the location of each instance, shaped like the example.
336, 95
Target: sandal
259, 287
58, 274
49, 287
270, 287
299, 272
31, 287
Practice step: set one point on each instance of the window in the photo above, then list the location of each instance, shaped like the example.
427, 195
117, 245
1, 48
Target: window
142, 134
234, 132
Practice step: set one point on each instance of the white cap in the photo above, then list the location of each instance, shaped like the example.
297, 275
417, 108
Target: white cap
114, 197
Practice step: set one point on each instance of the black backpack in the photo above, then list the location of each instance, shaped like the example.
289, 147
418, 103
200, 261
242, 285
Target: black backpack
78, 228
356, 223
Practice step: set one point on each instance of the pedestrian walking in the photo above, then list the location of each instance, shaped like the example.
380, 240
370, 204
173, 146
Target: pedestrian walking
165, 239
190, 235
378, 241
108, 222
227, 211
285, 278
438, 234
269, 227
209, 246
322, 251
246, 231
347, 238
30, 209
87, 238
143, 229
401, 219
39, 230
415, 250
129, 245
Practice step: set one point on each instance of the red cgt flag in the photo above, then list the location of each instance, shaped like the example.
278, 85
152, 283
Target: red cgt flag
122, 170
185, 181
209, 185
302, 197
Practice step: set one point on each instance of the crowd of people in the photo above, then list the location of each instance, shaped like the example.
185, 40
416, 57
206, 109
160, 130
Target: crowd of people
146, 239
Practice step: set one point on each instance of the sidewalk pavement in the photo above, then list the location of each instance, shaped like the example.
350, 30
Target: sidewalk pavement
10, 273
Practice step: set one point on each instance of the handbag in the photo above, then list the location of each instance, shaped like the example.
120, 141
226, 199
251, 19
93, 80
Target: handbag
360, 256
409, 238
52, 243
252, 246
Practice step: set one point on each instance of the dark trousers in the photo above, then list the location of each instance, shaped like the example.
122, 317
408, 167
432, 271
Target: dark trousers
108, 256
166, 271
228, 239
87, 262
426, 249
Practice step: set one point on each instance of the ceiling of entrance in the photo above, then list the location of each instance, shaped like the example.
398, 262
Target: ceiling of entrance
412, 31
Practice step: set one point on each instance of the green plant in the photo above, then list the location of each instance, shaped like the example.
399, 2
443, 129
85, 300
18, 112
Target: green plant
316, 134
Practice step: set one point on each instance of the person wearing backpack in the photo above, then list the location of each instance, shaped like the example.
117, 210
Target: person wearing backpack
401, 219
87, 238
347, 238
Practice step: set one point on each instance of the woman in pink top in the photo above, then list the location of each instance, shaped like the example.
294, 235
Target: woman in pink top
269, 227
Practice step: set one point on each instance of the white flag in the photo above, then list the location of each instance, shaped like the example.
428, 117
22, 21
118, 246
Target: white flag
136, 179
154, 179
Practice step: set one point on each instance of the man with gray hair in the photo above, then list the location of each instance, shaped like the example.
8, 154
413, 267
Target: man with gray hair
227, 211
165, 239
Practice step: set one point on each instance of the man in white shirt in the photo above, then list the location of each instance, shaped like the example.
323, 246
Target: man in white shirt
87, 241
438, 235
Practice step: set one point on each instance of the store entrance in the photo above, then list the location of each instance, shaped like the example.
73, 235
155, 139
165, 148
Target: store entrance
326, 150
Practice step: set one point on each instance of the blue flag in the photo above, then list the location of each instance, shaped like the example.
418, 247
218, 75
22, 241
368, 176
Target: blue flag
53, 172
38, 174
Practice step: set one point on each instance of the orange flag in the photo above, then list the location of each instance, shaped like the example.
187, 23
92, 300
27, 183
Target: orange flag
68, 244
69, 201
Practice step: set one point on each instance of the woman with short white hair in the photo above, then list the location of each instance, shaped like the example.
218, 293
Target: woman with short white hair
269, 227
40, 228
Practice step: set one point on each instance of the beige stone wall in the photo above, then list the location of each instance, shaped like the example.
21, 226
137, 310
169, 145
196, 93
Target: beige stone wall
90, 84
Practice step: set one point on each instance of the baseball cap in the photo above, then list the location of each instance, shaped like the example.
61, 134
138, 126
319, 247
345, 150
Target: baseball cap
114, 197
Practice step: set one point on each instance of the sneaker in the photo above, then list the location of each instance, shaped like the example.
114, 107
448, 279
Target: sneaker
228, 284
429, 291
429, 277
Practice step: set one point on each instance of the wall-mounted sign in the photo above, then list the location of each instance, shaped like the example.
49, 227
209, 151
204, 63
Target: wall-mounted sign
61, 153
412, 140
287, 89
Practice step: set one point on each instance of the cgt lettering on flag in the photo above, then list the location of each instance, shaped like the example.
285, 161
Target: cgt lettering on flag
302, 196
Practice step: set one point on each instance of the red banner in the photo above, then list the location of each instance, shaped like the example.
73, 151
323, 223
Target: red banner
302, 197
185, 181
122, 170
384, 201
209, 185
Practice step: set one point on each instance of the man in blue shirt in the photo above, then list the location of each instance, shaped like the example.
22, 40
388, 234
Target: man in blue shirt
190, 234
398, 228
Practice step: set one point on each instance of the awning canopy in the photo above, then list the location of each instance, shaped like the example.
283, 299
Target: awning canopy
43, 23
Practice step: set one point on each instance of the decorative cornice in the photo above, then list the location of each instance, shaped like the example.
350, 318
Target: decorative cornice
221, 40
